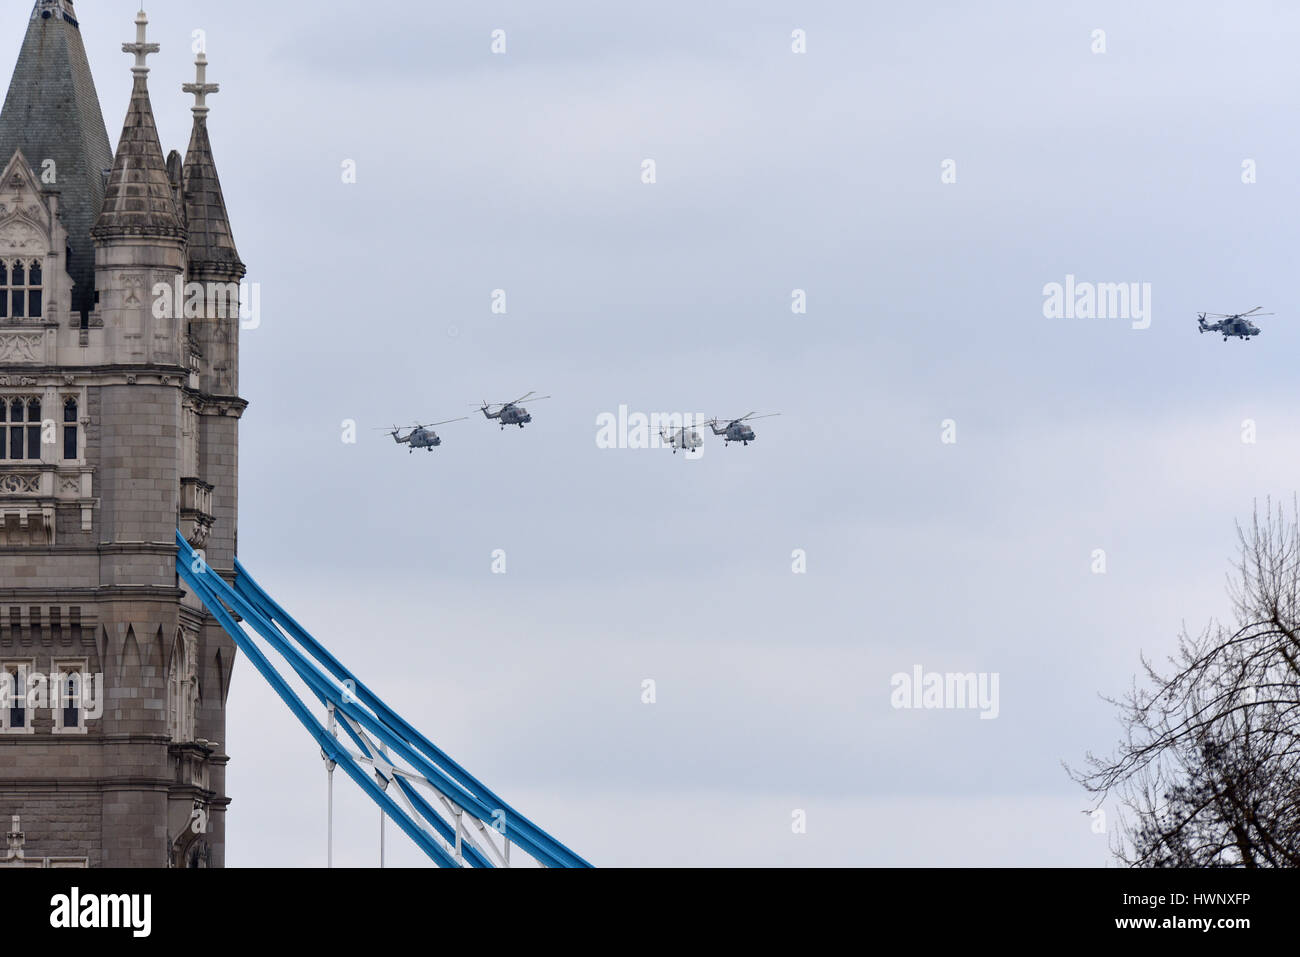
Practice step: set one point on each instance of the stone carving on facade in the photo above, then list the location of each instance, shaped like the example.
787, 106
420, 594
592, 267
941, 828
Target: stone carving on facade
16, 856
21, 347
133, 282
196, 511
18, 235
199, 531
22, 525
197, 854
17, 484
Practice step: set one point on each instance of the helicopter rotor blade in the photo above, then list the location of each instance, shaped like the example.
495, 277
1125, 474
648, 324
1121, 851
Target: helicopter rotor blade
418, 425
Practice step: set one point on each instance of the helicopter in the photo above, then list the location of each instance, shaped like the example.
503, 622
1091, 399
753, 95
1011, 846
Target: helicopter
512, 413
736, 430
683, 438
420, 436
1238, 324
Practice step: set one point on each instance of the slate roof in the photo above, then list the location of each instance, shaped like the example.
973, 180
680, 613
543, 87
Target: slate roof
139, 200
212, 246
52, 112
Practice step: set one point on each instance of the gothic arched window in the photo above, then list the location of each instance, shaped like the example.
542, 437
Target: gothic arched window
22, 295
33, 428
16, 676
70, 429
20, 429
181, 691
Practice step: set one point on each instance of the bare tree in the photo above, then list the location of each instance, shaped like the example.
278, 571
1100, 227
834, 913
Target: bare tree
1208, 769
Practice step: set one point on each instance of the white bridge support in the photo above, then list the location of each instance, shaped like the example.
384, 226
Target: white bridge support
375, 757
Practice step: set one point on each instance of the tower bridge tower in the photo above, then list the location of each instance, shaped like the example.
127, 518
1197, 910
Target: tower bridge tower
119, 416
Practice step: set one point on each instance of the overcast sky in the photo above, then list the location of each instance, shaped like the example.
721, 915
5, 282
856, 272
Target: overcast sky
776, 171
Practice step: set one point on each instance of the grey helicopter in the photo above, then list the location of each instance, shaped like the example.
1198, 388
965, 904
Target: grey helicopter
684, 438
1236, 324
512, 413
736, 430
420, 436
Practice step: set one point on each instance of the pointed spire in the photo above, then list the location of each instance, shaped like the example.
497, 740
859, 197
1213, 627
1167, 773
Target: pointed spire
139, 199
52, 115
211, 245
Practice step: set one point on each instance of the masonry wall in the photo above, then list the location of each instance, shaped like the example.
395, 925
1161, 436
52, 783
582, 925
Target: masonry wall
69, 812
139, 473
122, 793
219, 464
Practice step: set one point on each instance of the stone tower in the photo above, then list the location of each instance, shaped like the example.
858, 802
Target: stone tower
119, 354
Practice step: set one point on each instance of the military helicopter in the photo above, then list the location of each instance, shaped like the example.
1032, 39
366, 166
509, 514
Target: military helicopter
1237, 324
512, 413
736, 430
420, 436
683, 438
